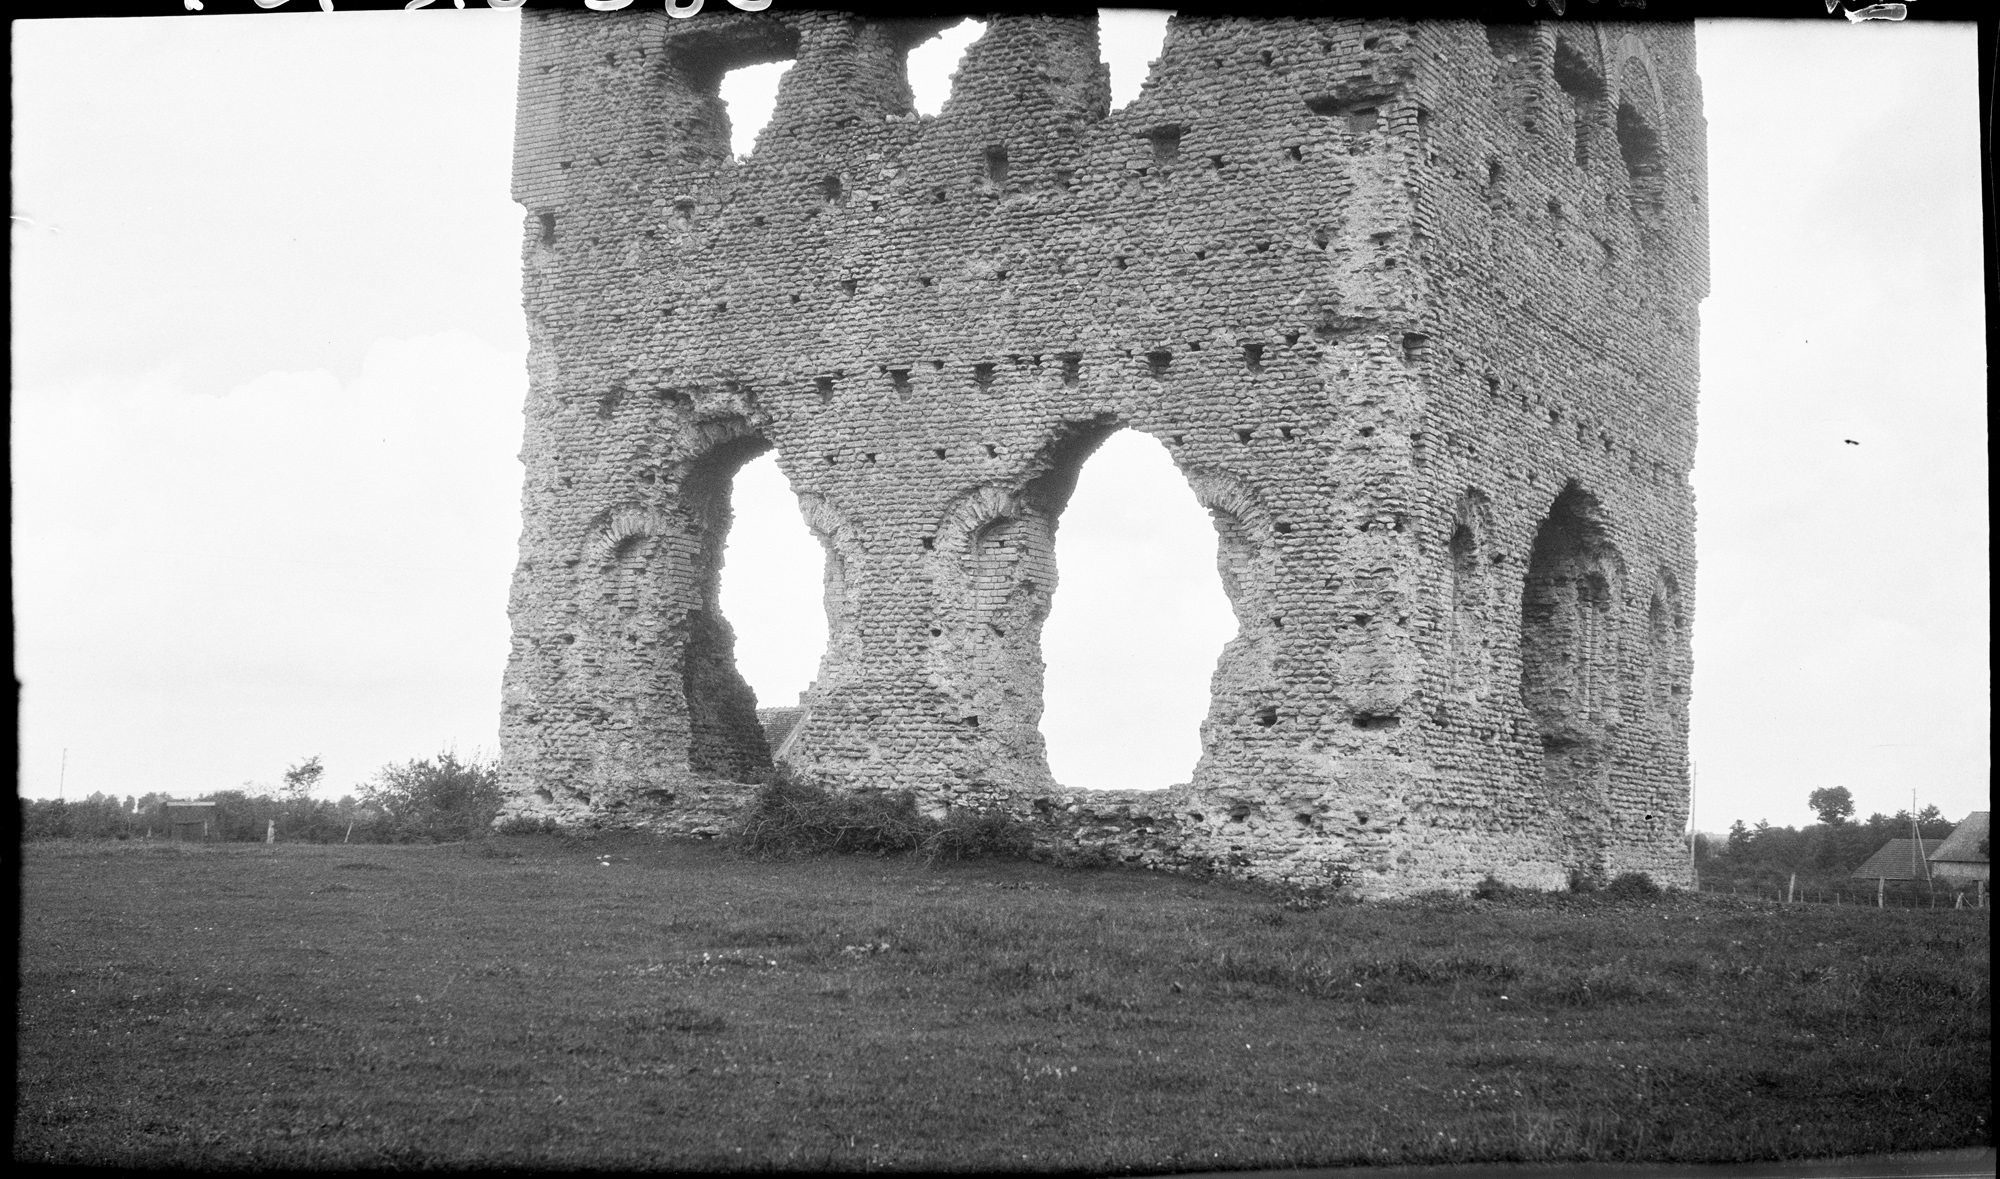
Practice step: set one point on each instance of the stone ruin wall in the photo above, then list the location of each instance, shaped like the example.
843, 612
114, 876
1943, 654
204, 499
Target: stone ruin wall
1412, 306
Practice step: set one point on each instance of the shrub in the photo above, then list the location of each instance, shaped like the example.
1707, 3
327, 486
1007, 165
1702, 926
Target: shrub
1493, 889
966, 835
526, 825
1633, 886
790, 817
434, 799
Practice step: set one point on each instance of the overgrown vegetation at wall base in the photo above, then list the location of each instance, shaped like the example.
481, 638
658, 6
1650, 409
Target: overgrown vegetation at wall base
612, 1000
791, 817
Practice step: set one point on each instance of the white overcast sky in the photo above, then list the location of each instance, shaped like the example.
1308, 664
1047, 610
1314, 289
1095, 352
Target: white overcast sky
268, 377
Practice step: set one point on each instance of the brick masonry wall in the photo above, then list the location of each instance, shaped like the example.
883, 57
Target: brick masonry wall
1412, 306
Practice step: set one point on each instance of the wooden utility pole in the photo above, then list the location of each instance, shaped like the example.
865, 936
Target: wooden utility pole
62, 775
1917, 855
1916, 836
1694, 788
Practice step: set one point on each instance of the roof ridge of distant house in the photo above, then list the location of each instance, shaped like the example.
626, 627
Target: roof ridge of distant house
1894, 861
1962, 845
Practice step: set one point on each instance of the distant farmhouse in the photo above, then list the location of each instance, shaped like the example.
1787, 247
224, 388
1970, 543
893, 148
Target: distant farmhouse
1965, 855
1960, 859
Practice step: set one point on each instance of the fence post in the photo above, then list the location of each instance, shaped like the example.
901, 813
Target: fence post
270, 831
1881, 886
1790, 886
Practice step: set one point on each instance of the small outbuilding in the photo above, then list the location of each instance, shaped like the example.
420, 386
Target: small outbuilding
192, 821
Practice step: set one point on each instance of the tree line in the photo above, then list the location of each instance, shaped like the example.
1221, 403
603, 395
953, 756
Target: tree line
1824, 855
433, 799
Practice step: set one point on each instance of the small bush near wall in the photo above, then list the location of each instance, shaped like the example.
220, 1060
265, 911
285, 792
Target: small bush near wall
790, 817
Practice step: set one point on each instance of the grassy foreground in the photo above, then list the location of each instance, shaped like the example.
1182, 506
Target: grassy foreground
633, 1002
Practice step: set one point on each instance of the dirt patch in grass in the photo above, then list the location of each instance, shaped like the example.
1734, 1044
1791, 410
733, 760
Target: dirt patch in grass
635, 1002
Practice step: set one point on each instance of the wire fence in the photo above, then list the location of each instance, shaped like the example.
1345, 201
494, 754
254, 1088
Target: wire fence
1895, 894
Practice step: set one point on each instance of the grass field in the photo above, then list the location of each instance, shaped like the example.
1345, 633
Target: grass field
632, 1002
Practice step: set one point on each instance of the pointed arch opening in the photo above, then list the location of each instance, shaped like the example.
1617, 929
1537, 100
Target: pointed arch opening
1131, 643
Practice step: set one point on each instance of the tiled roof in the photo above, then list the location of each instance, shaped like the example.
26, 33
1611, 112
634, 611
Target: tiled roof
1963, 845
1894, 861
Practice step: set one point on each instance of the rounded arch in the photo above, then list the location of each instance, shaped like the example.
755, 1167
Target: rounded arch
993, 566
1638, 113
1631, 69
1131, 647
1570, 657
695, 644
617, 532
1666, 648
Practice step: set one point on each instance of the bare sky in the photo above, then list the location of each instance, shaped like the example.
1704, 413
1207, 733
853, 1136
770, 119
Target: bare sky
268, 380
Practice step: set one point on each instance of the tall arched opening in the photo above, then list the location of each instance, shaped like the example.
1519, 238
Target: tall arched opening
1569, 668
773, 593
725, 739
1130, 643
